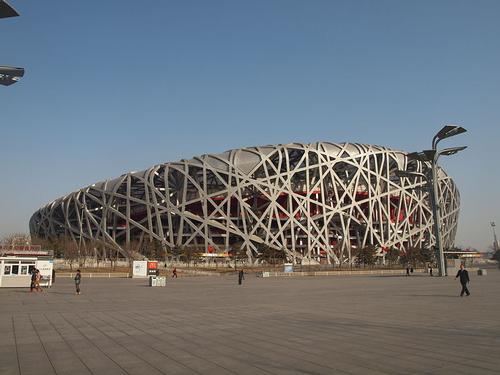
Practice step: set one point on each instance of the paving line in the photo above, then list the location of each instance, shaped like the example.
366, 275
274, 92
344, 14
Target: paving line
43, 345
92, 343
170, 343
68, 344
366, 334
244, 343
281, 344
119, 344
15, 343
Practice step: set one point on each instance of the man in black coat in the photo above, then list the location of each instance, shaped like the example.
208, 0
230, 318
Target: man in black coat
464, 279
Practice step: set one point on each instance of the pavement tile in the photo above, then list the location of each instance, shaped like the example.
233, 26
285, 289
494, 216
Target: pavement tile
207, 325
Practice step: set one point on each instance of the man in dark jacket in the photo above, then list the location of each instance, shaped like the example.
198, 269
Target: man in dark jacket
33, 279
464, 279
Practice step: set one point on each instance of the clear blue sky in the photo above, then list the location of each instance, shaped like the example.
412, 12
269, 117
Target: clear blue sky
113, 86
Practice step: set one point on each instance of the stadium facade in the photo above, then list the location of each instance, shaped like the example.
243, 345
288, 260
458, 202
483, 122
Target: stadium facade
317, 201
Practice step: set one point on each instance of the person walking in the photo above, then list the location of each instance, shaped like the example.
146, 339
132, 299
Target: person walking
78, 279
241, 277
408, 270
430, 269
174, 273
464, 280
33, 280
38, 278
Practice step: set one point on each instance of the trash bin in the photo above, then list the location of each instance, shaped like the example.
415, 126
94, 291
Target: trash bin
161, 281
157, 281
153, 281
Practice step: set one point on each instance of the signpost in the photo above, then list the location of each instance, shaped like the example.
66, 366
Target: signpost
140, 268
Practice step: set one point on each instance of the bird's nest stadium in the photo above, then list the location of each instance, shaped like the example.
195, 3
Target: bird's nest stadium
315, 201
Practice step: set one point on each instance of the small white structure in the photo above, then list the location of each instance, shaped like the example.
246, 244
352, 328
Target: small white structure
17, 263
15, 271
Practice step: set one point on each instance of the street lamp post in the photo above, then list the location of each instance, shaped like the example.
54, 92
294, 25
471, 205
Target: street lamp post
432, 156
495, 241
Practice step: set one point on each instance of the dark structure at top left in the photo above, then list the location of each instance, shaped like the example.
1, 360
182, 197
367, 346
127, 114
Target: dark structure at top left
9, 75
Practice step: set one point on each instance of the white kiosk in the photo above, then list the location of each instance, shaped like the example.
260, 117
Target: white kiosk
16, 266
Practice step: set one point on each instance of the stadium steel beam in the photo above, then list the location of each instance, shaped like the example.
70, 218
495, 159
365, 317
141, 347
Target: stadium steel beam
317, 201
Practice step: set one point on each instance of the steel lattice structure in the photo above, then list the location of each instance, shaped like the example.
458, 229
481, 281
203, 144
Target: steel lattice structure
317, 200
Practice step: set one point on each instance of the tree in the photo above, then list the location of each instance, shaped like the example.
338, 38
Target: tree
167, 250
238, 252
187, 253
45, 244
153, 249
392, 255
95, 250
365, 256
158, 251
425, 255
132, 251
147, 249
176, 252
410, 256
268, 254
69, 249
57, 245
14, 239
414, 256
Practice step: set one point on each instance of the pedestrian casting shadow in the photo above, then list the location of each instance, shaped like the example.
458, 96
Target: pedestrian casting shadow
19, 291
26, 292
62, 293
398, 276
433, 295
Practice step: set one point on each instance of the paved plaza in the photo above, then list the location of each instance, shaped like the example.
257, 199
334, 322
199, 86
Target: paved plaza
210, 325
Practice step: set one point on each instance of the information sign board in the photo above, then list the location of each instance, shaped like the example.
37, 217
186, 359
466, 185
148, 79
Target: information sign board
140, 268
45, 267
152, 268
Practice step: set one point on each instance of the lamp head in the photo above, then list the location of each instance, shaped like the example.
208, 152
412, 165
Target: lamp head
426, 155
452, 150
446, 132
10, 75
6, 10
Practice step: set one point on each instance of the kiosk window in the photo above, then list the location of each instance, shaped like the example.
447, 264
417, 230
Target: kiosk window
24, 270
15, 269
6, 270
30, 269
